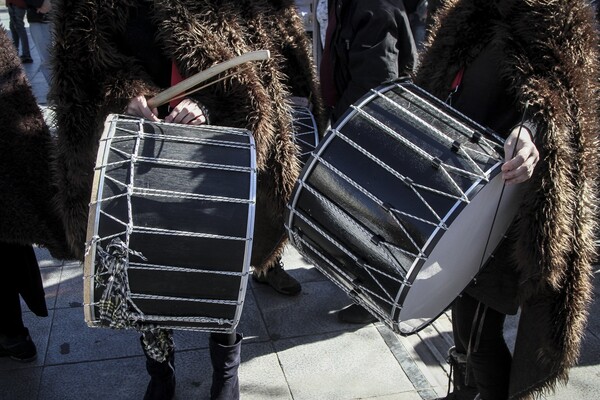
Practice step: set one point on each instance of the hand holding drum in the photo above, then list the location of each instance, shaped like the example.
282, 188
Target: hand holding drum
521, 156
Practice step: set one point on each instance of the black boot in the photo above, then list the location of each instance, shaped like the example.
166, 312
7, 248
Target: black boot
225, 361
278, 279
162, 378
18, 347
461, 376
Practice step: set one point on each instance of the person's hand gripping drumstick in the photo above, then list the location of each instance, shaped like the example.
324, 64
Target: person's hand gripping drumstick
521, 156
186, 112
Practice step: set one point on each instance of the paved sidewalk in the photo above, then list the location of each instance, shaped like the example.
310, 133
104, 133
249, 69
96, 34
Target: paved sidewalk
294, 347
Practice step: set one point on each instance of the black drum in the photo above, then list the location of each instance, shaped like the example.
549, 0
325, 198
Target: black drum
401, 204
306, 133
170, 226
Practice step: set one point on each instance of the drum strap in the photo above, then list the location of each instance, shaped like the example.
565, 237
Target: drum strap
158, 344
478, 321
476, 329
175, 79
455, 85
521, 127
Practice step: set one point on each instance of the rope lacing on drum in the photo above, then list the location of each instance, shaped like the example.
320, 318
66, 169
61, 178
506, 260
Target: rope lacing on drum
180, 139
444, 168
404, 179
450, 142
418, 254
299, 115
90, 243
141, 296
116, 234
365, 266
383, 205
424, 125
303, 243
150, 267
176, 163
170, 194
305, 133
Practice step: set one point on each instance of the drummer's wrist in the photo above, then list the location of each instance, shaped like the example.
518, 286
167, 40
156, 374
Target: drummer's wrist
528, 127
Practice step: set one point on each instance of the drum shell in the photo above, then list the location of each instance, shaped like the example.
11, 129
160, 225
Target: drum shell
181, 199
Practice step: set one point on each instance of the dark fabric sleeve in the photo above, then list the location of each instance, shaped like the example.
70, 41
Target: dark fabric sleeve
34, 3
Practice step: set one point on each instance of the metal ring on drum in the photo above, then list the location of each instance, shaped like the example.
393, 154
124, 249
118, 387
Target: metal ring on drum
170, 226
401, 204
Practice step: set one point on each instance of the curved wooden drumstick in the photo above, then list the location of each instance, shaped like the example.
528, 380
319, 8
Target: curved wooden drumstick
174, 91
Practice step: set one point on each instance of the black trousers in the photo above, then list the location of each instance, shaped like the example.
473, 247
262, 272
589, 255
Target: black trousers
10, 312
21, 278
479, 332
225, 339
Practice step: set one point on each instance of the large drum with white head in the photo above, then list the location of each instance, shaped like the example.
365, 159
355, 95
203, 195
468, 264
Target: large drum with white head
401, 204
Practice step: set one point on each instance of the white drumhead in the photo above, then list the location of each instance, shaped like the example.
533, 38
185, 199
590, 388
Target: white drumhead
459, 254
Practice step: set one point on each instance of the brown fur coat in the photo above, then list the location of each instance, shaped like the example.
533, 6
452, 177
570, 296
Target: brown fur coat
551, 57
92, 79
27, 215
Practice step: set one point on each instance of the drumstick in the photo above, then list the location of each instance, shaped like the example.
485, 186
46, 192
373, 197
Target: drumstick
168, 94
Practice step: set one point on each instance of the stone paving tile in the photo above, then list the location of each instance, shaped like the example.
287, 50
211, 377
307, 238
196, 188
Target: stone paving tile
311, 312
31, 376
72, 340
341, 366
116, 379
71, 287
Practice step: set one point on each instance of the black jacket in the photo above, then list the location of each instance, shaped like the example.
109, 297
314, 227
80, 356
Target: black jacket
372, 44
33, 15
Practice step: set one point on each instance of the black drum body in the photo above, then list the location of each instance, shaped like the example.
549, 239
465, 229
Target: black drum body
170, 226
401, 204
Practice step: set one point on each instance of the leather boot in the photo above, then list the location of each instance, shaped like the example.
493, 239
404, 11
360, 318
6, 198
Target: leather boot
461, 377
278, 279
225, 362
18, 347
162, 378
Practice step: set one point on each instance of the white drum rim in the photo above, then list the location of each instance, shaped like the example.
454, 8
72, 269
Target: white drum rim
249, 232
94, 216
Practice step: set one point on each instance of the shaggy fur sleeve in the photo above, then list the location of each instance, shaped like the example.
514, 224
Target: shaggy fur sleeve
558, 226
91, 79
